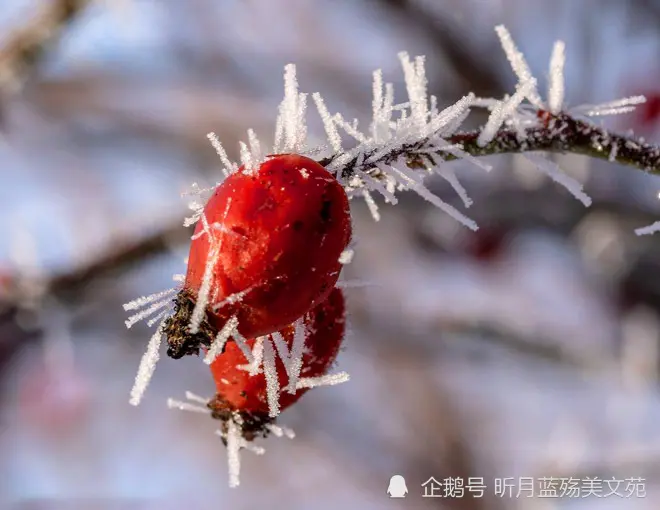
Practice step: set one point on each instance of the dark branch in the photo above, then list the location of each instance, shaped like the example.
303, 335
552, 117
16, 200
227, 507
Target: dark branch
561, 133
71, 285
68, 285
28, 43
564, 134
476, 71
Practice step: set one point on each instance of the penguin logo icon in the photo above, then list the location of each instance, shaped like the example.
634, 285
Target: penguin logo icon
397, 487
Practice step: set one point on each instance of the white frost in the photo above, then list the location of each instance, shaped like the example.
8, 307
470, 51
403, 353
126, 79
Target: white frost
518, 64
145, 300
233, 456
220, 340
294, 364
650, 229
556, 78
187, 406
253, 367
346, 256
504, 110
133, 319
551, 169
324, 380
199, 311
292, 129
272, 380
229, 166
147, 367
279, 431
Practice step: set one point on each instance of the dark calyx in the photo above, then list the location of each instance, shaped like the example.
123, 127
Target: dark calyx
181, 342
252, 424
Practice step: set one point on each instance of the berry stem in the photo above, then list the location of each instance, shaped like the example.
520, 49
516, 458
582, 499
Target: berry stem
560, 133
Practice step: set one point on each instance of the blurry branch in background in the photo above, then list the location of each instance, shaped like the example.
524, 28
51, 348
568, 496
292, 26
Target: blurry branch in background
28, 42
476, 72
486, 331
561, 134
438, 435
649, 9
70, 286
194, 108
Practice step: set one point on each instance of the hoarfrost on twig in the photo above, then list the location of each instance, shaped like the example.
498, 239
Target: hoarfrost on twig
242, 344
294, 362
346, 256
220, 340
551, 169
229, 166
147, 366
199, 311
354, 284
145, 300
233, 453
324, 380
650, 229
233, 436
503, 111
272, 380
187, 406
196, 398
253, 367
556, 78
519, 65
280, 431
401, 139
292, 129
371, 205
133, 319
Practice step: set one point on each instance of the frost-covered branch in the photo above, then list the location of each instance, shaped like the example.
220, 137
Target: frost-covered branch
561, 133
417, 135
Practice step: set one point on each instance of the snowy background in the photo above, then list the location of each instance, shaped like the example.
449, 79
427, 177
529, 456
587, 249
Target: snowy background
528, 349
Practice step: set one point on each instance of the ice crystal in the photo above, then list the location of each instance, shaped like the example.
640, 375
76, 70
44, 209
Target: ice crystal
233, 437
650, 229
272, 380
346, 256
218, 344
147, 367
324, 380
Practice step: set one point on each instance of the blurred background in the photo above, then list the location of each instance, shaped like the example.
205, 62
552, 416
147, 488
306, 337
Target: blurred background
527, 349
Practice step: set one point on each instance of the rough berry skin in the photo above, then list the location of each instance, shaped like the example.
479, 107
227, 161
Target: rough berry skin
279, 234
237, 390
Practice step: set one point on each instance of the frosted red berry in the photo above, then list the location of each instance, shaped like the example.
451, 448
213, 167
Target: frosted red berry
279, 232
240, 392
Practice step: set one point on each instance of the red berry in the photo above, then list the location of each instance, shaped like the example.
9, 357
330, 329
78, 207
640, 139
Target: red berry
239, 391
6, 284
276, 235
650, 111
487, 244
